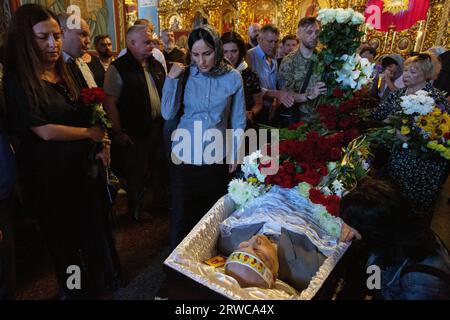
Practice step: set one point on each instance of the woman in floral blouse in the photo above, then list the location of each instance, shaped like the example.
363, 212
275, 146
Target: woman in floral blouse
234, 50
420, 180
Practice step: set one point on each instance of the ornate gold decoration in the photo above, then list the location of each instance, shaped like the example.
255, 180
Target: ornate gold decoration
425, 34
121, 10
359, 5
432, 27
442, 38
395, 6
401, 42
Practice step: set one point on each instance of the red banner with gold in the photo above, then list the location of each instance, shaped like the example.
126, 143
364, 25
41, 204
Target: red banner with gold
401, 13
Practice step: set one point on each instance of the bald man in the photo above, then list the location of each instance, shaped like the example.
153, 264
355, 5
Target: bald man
157, 53
253, 32
133, 87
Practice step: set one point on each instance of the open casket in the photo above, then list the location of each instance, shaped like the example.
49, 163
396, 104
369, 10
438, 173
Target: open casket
200, 244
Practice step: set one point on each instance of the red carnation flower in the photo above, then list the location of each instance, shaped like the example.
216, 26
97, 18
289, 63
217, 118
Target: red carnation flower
312, 177
296, 125
327, 111
316, 196
330, 124
337, 93
335, 154
333, 209
345, 122
92, 96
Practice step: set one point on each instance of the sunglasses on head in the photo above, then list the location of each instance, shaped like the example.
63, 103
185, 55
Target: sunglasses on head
423, 56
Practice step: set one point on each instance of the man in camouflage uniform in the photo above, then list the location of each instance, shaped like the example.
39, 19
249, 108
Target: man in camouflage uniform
293, 73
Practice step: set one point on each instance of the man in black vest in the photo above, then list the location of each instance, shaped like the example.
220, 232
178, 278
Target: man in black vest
133, 87
99, 65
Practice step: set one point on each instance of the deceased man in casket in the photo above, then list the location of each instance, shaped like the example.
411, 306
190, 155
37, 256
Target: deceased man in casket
275, 246
297, 250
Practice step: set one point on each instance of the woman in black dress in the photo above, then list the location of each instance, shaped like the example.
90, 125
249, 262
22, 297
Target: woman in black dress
54, 154
419, 179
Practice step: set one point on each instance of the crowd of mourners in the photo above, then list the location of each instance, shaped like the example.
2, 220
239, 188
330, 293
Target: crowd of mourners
57, 163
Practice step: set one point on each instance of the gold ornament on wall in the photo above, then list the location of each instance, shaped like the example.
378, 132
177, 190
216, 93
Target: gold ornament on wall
395, 6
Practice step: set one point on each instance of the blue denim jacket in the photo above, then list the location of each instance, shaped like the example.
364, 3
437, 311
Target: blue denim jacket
416, 285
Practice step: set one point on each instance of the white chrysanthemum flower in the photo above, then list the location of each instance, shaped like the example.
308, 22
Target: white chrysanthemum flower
330, 224
243, 192
419, 103
338, 188
303, 189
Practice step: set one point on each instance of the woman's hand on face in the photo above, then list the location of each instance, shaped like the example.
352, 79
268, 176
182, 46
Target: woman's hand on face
348, 233
176, 70
97, 134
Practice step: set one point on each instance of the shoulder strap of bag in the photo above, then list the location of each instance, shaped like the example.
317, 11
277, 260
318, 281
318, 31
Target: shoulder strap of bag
184, 80
308, 77
423, 268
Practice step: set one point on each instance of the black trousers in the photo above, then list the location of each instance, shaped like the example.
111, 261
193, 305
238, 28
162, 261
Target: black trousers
79, 234
195, 189
7, 254
145, 165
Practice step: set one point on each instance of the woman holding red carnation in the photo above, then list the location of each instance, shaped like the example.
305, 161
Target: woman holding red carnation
53, 154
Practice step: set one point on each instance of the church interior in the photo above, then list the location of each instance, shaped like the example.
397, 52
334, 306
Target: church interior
392, 27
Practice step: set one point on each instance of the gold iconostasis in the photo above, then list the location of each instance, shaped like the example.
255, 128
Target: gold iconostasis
227, 15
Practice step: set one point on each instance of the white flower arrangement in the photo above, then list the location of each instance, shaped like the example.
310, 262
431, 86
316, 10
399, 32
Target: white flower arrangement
242, 192
303, 189
250, 166
332, 225
338, 188
348, 16
356, 71
420, 103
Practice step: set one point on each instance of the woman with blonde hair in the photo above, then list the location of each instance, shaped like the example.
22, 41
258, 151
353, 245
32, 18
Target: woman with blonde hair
419, 179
